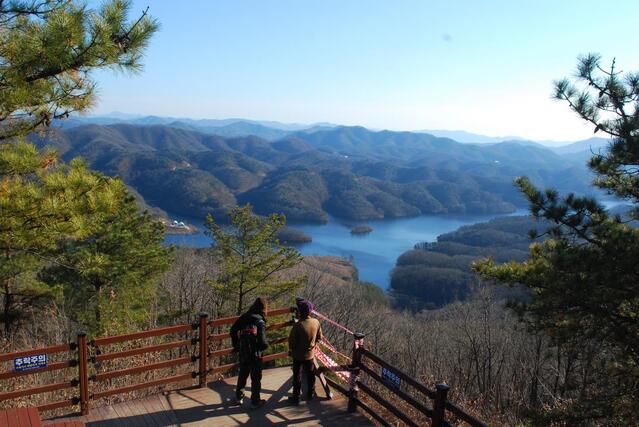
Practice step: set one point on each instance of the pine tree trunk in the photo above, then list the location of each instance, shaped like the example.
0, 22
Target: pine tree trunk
8, 304
98, 314
240, 301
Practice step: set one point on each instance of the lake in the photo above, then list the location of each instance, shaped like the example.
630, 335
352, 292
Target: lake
374, 254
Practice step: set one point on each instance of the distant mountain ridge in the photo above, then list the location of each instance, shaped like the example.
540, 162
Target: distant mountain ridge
273, 130
561, 147
591, 145
468, 137
233, 127
348, 172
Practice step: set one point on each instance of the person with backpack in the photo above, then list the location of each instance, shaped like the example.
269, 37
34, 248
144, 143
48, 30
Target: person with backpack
304, 336
248, 335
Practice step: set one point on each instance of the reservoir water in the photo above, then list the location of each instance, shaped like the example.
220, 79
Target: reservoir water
374, 254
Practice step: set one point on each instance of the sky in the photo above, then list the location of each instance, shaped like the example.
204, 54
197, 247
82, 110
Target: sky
481, 66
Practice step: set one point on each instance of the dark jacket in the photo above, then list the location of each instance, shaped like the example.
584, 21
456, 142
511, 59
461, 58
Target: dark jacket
247, 322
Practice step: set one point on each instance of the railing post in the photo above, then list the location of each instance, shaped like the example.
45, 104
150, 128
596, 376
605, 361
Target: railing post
83, 372
353, 389
439, 406
204, 348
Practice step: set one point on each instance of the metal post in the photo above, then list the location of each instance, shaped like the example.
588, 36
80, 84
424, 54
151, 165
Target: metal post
204, 348
439, 406
83, 372
353, 389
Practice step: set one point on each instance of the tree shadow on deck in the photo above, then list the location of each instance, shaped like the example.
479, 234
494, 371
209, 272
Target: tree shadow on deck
214, 406
276, 411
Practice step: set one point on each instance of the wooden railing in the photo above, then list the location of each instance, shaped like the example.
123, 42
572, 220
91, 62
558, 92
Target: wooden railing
219, 338
401, 399
85, 356
55, 366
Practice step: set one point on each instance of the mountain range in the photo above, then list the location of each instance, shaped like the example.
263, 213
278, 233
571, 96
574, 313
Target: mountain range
313, 173
272, 130
269, 130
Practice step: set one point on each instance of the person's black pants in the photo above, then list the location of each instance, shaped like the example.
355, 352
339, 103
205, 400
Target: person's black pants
254, 369
309, 370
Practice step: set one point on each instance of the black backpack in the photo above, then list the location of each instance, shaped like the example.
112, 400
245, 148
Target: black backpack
249, 349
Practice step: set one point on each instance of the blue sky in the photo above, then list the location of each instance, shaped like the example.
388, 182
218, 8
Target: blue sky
481, 66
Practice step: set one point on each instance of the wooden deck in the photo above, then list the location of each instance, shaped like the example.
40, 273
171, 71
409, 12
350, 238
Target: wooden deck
213, 406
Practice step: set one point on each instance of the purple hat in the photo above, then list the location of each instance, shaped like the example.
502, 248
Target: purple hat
304, 307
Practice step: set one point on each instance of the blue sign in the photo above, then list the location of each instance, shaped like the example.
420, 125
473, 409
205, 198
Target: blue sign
391, 378
27, 363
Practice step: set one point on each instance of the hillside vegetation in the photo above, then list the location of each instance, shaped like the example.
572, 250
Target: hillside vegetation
435, 274
347, 172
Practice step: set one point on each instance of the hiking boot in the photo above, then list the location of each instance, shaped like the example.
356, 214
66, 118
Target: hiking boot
294, 400
239, 398
255, 405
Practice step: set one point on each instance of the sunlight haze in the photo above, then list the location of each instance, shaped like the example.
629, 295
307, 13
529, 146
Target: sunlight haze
482, 67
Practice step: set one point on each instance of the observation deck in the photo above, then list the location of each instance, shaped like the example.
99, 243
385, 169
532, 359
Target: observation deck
213, 406
91, 374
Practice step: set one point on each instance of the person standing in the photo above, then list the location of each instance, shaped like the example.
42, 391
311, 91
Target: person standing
303, 338
248, 335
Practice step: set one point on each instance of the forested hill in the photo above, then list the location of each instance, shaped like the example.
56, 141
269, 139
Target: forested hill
434, 274
348, 172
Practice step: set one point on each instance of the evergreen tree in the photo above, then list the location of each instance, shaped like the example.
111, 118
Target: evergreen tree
250, 258
108, 277
48, 50
38, 206
583, 281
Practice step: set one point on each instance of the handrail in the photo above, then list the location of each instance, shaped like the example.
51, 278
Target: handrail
224, 368
141, 350
227, 351
228, 320
272, 327
143, 368
337, 386
220, 337
279, 341
221, 353
278, 312
52, 367
386, 404
280, 325
32, 352
146, 384
223, 321
275, 356
143, 334
56, 405
403, 375
373, 414
459, 413
36, 390
407, 398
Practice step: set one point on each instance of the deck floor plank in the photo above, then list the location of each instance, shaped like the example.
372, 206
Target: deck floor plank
213, 406
156, 411
168, 410
130, 412
96, 414
141, 413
